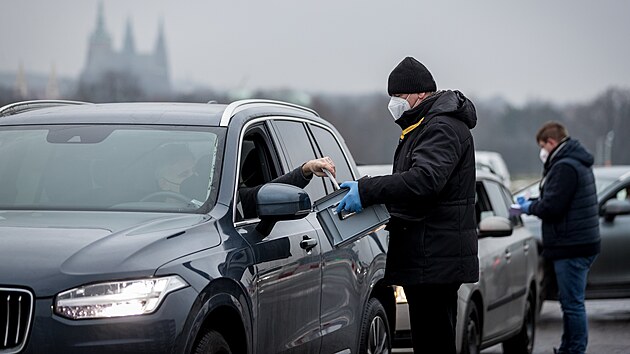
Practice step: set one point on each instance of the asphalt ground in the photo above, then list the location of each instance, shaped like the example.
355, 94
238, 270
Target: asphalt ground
609, 328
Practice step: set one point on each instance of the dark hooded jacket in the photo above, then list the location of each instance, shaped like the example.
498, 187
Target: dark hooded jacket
431, 195
568, 203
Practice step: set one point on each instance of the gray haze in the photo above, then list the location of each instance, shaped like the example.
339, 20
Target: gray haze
564, 51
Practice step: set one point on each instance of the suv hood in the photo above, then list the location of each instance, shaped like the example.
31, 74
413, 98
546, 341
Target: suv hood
54, 250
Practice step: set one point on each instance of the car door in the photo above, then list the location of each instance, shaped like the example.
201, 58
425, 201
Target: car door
523, 255
612, 266
345, 263
288, 277
496, 256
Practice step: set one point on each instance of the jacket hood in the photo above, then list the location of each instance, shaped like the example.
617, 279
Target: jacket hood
456, 105
571, 148
451, 103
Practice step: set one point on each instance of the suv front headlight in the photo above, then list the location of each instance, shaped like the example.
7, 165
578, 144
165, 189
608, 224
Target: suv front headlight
116, 299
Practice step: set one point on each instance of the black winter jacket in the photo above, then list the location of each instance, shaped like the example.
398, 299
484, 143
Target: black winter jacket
431, 195
568, 203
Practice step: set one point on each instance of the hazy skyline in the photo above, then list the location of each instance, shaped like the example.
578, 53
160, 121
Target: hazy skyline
563, 51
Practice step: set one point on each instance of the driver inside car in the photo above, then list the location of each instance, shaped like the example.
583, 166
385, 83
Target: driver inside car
176, 169
175, 165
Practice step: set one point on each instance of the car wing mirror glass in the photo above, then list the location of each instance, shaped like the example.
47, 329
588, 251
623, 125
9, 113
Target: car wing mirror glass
495, 226
277, 201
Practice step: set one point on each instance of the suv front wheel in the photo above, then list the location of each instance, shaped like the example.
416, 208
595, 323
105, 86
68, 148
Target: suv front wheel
375, 334
212, 342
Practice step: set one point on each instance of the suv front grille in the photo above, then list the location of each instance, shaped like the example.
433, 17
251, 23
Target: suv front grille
16, 307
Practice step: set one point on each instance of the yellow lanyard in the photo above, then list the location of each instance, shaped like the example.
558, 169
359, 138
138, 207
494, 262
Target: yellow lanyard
410, 128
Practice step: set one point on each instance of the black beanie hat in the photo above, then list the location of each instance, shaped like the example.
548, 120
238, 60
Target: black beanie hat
410, 76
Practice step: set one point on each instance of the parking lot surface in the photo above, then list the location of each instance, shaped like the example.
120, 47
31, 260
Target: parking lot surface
609, 325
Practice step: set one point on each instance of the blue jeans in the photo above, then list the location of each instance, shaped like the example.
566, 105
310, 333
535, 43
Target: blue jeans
571, 278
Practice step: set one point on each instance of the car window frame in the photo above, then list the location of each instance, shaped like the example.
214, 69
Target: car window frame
613, 190
319, 151
273, 150
289, 163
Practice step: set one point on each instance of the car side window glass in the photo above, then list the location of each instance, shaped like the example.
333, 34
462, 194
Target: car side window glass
496, 198
483, 208
507, 198
298, 148
623, 193
329, 146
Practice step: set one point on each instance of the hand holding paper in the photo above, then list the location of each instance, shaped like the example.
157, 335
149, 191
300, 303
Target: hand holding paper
525, 204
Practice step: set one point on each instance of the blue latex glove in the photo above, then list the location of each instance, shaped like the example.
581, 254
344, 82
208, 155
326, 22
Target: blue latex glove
351, 201
525, 204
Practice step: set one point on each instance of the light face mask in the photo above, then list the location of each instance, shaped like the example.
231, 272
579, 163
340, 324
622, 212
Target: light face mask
543, 155
397, 106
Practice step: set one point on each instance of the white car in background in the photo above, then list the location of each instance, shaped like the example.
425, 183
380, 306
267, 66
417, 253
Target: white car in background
493, 162
502, 306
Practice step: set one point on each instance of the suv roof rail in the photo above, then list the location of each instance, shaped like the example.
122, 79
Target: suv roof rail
25, 106
240, 105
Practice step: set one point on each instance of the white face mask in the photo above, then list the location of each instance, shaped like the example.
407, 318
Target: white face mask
397, 106
543, 155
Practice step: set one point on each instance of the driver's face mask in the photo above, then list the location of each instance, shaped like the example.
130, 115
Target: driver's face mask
172, 176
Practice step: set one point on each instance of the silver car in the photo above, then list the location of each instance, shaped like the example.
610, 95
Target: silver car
609, 276
501, 307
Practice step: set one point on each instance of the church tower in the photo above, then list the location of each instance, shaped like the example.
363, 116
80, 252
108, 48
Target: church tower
129, 46
21, 87
144, 74
52, 89
99, 49
162, 82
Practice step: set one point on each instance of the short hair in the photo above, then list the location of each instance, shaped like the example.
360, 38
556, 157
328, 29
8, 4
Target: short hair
553, 130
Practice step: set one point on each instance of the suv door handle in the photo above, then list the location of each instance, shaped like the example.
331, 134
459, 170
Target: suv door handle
308, 243
508, 254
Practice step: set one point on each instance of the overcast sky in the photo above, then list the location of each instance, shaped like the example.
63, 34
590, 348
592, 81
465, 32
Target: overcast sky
564, 51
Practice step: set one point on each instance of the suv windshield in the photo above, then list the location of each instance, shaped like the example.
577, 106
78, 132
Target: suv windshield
109, 167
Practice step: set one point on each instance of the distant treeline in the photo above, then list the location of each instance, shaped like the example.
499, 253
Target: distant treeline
602, 124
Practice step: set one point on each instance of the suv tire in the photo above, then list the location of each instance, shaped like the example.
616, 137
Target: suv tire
212, 342
375, 335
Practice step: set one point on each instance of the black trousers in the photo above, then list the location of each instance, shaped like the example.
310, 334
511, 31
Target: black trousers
432, 315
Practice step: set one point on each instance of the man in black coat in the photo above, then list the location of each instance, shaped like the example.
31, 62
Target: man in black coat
431, 198
570, 225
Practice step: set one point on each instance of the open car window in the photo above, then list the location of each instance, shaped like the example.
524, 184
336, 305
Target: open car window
258, 165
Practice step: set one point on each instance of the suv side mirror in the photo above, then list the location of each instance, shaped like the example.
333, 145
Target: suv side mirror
615, 207
276, 202
495, 226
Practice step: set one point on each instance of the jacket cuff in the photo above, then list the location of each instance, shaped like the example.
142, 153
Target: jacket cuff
307, 178
363, 193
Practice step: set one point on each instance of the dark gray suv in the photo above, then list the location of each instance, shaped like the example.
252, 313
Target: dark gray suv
122, 230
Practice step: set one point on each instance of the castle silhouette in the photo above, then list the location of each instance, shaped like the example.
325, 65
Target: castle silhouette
149, 71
